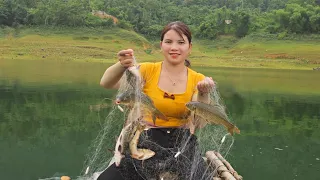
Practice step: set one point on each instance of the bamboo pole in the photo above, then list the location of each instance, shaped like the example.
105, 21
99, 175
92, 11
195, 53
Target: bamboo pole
65, 178
222, 170
228, 165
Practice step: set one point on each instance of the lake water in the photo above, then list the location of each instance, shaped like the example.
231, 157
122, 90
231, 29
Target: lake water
46, 124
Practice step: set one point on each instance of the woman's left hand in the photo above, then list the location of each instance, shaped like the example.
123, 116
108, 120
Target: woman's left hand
206, 85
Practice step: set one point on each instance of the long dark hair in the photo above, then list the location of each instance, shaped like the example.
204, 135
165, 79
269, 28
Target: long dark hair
181, 29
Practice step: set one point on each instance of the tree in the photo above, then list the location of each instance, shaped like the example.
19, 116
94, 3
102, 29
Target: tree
242, 23
12, 13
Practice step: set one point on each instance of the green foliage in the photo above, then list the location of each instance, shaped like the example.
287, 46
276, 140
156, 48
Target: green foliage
282, 35
59, 12
94, 21
125, 25
12, 13
154, 30
295, 18
243, 22
208, 29
206, 18
216, 23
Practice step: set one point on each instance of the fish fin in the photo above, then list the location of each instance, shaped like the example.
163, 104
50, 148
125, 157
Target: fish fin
161, 116
135, 156
154, 119
138, 156
230, 131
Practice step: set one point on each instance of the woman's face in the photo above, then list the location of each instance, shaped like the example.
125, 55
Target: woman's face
175, 48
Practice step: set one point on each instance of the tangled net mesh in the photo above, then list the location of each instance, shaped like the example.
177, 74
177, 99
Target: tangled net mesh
183, 159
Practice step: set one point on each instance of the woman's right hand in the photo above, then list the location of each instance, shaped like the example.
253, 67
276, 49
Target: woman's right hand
125, 58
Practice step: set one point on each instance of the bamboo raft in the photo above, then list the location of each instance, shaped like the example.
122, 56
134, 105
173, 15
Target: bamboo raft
218, 164
224, 170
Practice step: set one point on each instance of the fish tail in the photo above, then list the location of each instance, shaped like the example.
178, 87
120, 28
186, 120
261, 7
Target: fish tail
137, 156
143, 154
237, 130
233, 129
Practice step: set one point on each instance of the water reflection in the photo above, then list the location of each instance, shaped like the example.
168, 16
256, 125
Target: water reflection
279, 138
45, 130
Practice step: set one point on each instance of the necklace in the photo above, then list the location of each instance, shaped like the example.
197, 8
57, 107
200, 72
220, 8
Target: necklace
174, 83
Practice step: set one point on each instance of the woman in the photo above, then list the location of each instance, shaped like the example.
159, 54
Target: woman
170, 84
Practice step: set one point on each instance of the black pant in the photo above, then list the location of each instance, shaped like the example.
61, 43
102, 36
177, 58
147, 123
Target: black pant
165, 142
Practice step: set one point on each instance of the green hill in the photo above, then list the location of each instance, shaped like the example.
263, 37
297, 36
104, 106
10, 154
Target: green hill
102, 45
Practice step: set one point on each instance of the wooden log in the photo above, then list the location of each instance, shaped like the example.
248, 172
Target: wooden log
221, 168
216, 178
228, 165
65, 178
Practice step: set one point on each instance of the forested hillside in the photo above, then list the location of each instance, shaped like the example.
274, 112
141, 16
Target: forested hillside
207, 18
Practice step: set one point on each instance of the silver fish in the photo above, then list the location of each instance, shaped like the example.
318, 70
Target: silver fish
128, 141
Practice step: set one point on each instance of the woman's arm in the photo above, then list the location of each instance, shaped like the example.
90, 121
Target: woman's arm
113, 74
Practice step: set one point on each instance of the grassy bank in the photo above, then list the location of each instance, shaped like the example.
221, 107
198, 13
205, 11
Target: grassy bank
101, 45
69, 44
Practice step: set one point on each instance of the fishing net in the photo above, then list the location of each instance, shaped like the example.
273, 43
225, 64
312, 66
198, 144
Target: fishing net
178, 154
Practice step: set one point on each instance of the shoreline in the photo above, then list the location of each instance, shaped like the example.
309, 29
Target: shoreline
101, 46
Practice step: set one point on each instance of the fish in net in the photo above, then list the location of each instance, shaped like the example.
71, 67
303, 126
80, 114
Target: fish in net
178, 153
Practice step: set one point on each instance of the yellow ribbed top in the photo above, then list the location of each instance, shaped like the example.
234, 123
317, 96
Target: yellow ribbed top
174, 109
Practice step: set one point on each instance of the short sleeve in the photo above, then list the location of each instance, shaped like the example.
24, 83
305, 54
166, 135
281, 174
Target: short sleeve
146, 70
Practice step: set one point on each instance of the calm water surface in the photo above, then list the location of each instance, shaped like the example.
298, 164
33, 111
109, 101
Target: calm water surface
46, 124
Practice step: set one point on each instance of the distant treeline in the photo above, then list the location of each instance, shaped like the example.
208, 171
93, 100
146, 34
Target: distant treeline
207, 18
